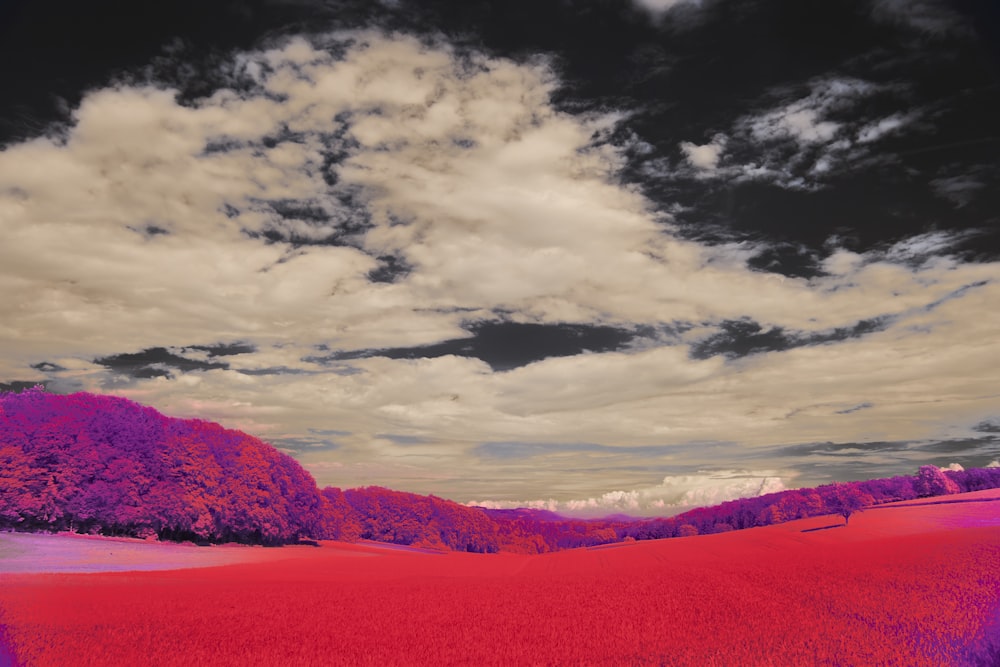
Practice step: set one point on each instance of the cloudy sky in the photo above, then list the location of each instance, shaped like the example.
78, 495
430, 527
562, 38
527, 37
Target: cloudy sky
600, 254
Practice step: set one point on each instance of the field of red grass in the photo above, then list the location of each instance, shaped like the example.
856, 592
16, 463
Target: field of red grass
908, 585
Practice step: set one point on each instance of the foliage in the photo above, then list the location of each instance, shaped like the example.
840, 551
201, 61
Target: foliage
101, 464
932, 481
846, 499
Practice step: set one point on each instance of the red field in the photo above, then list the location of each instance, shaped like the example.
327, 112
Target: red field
909, 585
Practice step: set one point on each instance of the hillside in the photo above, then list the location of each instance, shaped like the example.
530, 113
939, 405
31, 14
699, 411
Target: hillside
908, 585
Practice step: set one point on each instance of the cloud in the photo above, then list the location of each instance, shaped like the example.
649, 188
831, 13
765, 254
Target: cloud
282, 197
806, 119
675, 494
297, 445
323, 467
704, 157
664, 6
959, 190
796, 122
155, 362
988, 426
507, 345
802, 139
822, 144
855, 408
885, 126
929, 17
920, 249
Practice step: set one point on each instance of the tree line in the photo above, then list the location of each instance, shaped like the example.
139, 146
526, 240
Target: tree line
106, 465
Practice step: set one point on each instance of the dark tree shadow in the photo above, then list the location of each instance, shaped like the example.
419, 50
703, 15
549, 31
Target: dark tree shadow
832, 525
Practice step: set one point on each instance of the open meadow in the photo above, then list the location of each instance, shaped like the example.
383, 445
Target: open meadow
911, 584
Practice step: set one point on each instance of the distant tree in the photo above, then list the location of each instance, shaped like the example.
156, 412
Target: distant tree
932, 481
977, 479
340, 521
771, 515
687, 530
890, 489
846, 499
743, 516
812, 503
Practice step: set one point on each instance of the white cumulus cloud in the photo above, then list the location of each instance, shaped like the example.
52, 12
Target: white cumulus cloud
675, 494
706, 156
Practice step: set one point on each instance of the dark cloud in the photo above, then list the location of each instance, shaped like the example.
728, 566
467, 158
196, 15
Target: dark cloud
162, 362
274, 370
305, 444
990, 426
856, 408
965, 446
788, 259
402, 440
88, 45
507, 345
150, 231
224, 349
857, 469
739, 338
828, 461
154, 362
329, 431
337, 222
390, 269
841, 448
961, 291
48, 367
305, 210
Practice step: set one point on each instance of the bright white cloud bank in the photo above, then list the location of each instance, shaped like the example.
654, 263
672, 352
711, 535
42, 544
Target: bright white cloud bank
675, 494
497, 202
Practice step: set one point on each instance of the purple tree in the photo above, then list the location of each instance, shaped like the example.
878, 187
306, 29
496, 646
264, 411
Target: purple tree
847, 499
931, 481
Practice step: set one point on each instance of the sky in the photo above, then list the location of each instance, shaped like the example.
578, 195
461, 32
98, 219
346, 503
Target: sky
595, 256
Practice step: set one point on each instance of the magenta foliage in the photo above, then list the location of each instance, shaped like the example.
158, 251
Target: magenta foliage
105, 464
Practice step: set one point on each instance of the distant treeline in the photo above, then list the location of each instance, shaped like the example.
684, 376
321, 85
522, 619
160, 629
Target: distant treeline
106, 465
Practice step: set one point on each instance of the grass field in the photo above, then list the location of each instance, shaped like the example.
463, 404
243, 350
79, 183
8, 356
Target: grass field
906, 585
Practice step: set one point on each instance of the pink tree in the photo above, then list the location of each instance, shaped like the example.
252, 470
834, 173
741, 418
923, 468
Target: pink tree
847, 499
931, 481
